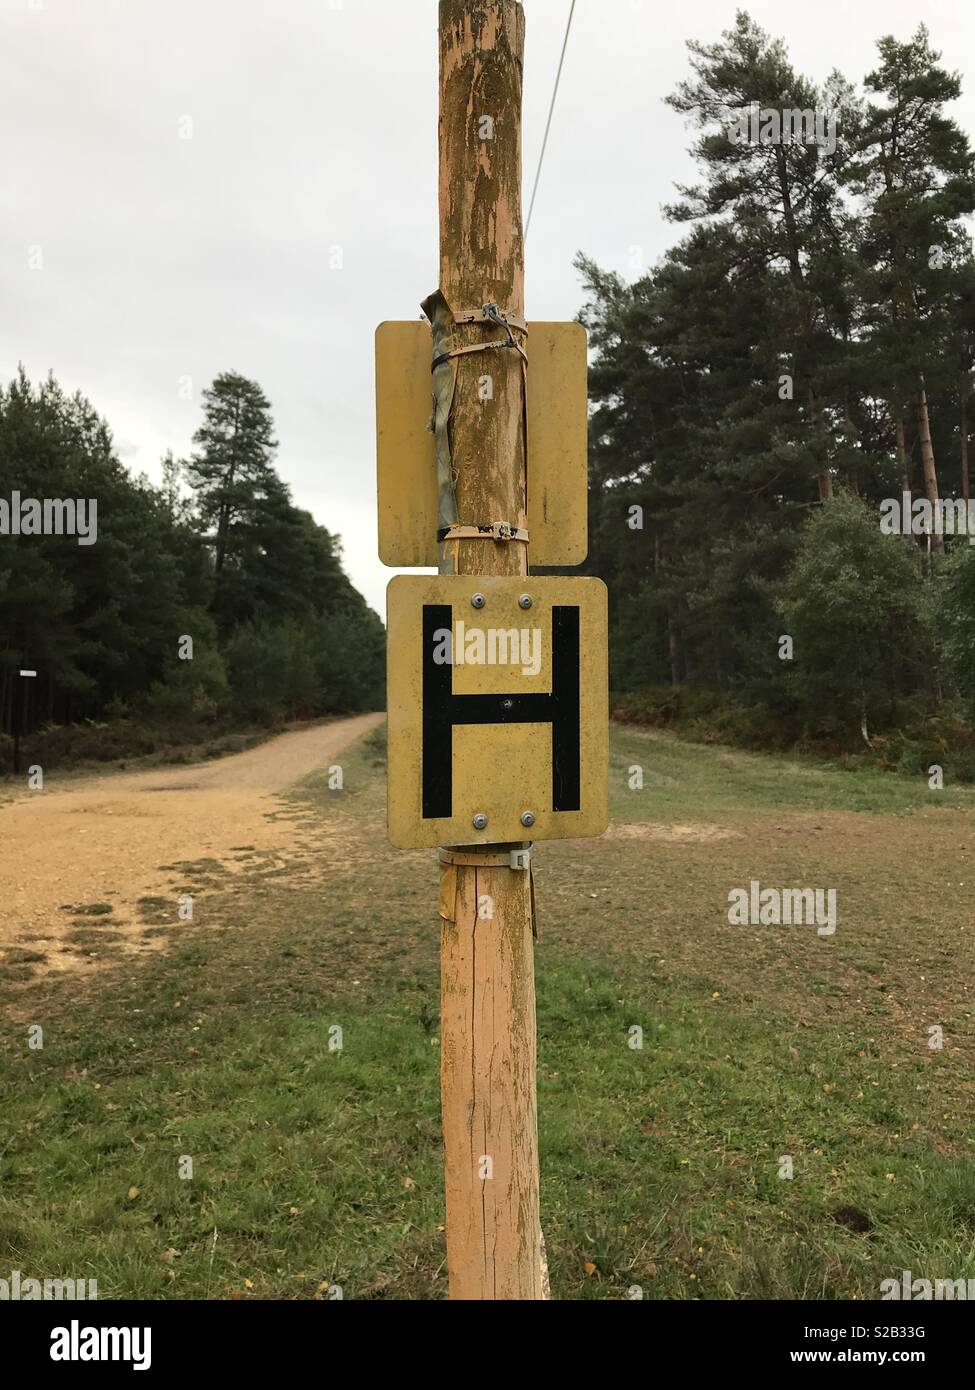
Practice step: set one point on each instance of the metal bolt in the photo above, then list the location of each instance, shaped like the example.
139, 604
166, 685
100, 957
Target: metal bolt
525, 601
528, 818
478, 601
507, 704
480, 821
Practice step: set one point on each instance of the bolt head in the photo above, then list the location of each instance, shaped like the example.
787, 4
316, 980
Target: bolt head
525, 601
480, 821
478, 601
528, 818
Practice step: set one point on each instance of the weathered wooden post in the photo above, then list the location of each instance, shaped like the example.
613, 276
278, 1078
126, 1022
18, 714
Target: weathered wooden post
497, 682
487, 970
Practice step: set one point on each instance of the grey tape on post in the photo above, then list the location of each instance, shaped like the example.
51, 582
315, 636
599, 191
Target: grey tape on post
443, 380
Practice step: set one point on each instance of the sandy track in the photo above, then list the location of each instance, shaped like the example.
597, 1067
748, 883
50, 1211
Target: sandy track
105, 838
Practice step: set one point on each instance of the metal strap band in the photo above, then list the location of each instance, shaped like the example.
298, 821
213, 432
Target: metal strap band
490, 857
490, 313
477, 347
495, 531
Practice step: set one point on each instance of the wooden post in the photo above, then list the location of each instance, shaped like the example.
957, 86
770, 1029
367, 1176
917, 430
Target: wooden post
18, 720
488, 1081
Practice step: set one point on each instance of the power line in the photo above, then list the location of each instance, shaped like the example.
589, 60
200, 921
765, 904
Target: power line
548, 123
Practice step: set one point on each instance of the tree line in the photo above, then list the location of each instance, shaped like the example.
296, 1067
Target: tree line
803, 352
209, 599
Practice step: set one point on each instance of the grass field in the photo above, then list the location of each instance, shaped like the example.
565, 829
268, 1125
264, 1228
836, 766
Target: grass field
660, 1166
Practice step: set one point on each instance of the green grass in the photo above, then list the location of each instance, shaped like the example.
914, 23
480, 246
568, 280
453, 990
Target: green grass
660, 1165
700, 780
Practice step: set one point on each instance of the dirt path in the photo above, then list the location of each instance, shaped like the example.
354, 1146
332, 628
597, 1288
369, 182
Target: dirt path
106, 839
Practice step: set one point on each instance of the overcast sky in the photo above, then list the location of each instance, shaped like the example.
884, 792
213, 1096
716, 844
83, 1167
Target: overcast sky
313, 125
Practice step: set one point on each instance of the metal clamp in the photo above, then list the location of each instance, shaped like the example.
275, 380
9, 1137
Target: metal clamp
486, 531
508, 856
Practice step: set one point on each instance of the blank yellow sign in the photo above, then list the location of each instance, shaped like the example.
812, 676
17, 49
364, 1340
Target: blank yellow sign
557, 439
498, 711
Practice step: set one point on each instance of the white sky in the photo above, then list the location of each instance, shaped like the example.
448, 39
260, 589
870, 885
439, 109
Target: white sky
314, 124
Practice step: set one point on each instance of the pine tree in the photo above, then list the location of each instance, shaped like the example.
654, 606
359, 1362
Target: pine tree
915, 172
231, 472
782, 195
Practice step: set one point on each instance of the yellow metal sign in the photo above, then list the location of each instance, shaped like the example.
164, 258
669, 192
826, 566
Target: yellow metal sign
498, 709
557, 425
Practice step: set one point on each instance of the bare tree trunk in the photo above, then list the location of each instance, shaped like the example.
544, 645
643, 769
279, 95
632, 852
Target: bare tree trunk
902, 458
927, 464
674, 649
964, 447
824, 479
850, 431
